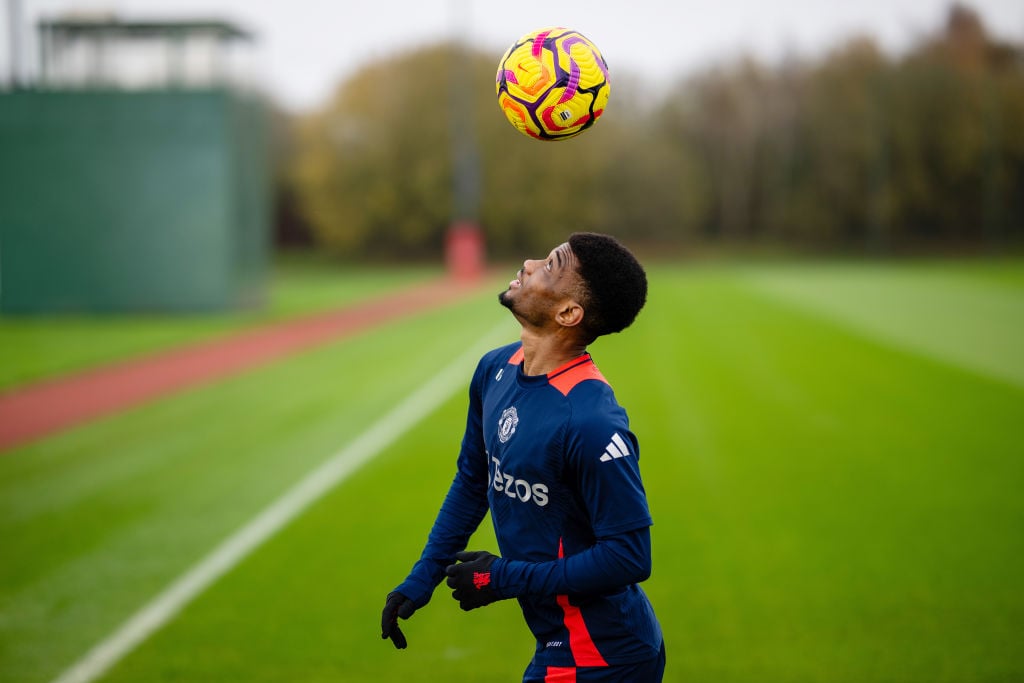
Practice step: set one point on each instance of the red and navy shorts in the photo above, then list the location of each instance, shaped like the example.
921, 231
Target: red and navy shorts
650, 671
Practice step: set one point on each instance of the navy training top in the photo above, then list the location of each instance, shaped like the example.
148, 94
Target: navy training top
552, 457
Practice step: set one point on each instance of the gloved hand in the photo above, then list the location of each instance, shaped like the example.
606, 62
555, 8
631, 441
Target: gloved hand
471, 579
397, 605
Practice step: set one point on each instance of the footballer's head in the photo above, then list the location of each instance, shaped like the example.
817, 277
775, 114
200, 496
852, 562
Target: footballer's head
613, 283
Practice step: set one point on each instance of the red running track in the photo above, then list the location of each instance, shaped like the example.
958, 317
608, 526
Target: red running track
37, 410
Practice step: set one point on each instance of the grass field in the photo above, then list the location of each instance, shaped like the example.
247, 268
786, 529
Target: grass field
35, 348
832, 453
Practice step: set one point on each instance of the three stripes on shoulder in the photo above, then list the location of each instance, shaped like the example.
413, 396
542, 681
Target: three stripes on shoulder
616, 448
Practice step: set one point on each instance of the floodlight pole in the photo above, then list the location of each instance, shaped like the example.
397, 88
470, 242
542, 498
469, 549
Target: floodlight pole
463, 143
464, 243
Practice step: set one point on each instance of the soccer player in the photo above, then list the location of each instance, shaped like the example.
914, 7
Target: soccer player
549, 451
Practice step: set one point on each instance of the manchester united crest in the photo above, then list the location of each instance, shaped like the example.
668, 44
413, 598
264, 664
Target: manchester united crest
507, 424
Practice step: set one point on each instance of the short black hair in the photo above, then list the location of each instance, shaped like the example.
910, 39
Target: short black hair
614, 283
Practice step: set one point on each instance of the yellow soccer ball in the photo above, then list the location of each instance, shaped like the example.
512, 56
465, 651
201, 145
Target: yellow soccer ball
552, 84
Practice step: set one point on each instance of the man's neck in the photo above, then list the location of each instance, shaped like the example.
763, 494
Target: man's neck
543, 353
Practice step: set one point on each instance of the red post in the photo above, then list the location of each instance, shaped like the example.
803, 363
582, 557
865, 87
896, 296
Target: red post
464, 251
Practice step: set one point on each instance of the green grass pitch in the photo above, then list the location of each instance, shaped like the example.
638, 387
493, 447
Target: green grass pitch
35, 348
833, 457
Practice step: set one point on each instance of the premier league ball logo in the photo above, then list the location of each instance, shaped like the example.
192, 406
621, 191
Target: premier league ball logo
507, 424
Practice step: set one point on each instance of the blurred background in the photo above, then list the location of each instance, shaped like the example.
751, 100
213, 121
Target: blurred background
368, 131
827, 381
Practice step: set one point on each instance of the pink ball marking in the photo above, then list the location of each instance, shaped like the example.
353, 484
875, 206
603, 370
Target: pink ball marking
573, 84
538, 44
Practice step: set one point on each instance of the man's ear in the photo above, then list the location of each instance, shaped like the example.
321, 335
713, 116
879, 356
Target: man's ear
570, 314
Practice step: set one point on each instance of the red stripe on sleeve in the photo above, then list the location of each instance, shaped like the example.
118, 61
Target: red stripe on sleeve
584, 652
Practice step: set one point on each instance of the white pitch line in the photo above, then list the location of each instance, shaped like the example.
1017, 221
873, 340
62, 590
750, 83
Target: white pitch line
272, 519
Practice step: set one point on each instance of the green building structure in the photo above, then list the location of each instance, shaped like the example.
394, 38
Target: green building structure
134, 175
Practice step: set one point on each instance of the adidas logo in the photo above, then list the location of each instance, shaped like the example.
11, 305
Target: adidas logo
616, 448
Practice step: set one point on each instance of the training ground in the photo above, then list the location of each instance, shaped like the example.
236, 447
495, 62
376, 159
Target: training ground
831, 452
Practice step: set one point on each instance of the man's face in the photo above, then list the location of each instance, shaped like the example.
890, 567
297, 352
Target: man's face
542, 287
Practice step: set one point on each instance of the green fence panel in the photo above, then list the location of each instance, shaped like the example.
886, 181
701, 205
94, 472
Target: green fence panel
132, 201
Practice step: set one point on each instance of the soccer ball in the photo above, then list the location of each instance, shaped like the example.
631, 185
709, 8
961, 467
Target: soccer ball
552, 84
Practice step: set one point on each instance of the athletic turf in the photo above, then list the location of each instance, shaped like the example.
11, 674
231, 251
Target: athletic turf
39, 347
836, 495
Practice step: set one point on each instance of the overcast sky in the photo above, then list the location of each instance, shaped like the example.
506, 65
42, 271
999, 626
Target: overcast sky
307, 46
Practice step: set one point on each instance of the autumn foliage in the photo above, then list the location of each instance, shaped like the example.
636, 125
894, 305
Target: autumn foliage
854, 150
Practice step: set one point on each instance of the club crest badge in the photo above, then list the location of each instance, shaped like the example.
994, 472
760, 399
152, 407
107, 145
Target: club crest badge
507, 424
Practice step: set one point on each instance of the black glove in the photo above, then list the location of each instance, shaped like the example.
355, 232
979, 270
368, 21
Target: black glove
397, 605
471, 579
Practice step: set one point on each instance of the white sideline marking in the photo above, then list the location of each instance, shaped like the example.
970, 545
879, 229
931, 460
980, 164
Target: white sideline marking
293, 502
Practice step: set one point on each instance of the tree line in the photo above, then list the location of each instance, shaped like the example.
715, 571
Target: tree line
855, 150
